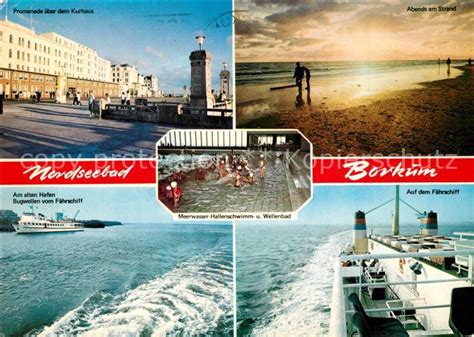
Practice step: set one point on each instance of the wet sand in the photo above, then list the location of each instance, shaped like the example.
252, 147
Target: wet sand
437, 118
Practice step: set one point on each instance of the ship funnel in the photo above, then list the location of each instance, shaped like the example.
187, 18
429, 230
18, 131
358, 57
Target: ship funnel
429, 223
361, 244
396, 213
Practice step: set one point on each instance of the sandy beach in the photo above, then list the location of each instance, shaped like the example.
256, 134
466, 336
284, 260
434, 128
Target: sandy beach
435, 117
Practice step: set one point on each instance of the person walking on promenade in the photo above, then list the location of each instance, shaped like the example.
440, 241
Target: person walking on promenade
1, 102
127, 98
91, 100
122, 98
79, 99
298, 75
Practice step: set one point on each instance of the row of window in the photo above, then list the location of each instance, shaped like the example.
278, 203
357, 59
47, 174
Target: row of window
34, 77
57, 52
22, 90
44, 224
101, 76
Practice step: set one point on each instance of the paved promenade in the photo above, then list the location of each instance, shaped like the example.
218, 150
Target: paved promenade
49, 129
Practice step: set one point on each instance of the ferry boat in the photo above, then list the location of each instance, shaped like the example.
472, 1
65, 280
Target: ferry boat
404, 285
31, 222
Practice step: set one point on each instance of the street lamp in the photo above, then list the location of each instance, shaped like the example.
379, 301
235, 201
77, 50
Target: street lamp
200, 40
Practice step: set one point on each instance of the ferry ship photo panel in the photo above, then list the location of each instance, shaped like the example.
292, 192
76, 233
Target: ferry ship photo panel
234, 171
113, 89
96, 261
380, 260
358, 78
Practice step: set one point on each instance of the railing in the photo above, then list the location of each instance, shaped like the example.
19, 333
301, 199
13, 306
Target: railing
153, 107
338, 327
223, 112
462, 262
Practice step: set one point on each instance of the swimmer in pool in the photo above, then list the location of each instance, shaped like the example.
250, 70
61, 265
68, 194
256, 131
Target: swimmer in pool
177, 192
200, 174
169, 193
262, 167
222, 170
212, 167
238, 179
250, 178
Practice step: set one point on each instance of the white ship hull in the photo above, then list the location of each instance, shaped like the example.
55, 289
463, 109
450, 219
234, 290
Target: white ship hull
22, 229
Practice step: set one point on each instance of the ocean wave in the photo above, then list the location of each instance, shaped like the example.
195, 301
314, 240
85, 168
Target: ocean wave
194, 298
301, 308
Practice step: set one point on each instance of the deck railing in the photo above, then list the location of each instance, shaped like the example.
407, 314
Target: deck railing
338, 324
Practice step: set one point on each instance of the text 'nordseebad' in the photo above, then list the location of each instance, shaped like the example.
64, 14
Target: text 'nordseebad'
49, 173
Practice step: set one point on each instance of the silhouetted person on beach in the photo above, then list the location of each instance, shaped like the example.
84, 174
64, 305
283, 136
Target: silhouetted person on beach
307, 74
469, 62
448, 63
298, 75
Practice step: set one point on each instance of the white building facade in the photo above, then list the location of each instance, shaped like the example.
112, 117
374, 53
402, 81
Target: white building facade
23, 49
151, 82
129, 79
49, 63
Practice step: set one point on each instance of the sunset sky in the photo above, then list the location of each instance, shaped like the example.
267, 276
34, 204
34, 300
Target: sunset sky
306, 30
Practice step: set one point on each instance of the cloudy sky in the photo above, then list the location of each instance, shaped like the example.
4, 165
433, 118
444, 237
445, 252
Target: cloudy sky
307, 30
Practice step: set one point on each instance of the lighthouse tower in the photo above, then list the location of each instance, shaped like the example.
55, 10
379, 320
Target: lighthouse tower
201, 88
225, 81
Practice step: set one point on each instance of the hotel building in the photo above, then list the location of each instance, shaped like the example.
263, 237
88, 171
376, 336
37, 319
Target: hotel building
129, 79
31, 62
151, 82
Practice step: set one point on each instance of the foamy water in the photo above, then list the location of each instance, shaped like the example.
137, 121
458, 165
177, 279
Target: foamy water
192, 299
131, 280
301, 308
297, 281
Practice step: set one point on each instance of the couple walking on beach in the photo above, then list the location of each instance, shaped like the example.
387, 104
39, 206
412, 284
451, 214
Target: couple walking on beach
300, 73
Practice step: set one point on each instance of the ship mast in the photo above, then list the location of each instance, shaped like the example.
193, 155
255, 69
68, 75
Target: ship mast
396, 212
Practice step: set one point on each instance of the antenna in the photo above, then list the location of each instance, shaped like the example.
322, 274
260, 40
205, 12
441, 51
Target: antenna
396, 212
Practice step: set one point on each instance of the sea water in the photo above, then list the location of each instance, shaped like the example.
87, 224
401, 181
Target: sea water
280, 72
133, 280
285, 275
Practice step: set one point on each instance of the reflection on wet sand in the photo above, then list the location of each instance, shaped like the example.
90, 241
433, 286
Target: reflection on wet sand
419, 111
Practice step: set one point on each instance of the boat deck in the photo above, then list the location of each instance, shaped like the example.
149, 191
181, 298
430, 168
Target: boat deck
424, 243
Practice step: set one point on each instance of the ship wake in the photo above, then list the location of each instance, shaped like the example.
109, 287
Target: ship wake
194, 298
301, 308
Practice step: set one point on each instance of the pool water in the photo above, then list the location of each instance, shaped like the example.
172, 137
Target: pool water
270, 194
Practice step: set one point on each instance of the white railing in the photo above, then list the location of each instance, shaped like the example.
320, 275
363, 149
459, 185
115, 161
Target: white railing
337, 327
464, 243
